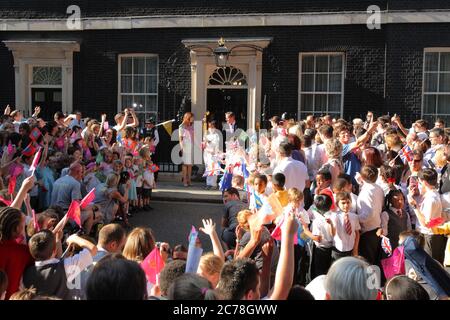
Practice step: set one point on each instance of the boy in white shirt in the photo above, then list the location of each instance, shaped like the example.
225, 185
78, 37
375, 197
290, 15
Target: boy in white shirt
322, 234
427, 206
346, 238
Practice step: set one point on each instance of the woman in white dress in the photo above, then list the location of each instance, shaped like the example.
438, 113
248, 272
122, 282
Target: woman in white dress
186, 136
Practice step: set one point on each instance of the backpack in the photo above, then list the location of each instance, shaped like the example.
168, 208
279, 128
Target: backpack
429, 269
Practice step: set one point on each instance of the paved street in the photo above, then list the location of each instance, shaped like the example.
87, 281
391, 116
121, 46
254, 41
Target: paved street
171, 221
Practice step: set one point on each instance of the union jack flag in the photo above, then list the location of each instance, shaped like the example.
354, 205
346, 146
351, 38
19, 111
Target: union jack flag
406, 154
386, 245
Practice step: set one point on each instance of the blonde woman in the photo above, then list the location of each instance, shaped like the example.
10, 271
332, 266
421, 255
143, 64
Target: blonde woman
333, 149
210, 267
140, 242
186, 137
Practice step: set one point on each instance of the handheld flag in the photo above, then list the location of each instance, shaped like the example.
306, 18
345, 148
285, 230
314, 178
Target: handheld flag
395, 264
276, 233
12, 184
29, 150
35, 221
35, 134
257, 199
168, 127
225, 181
152, 265
386, 245
406, 154
154, 168
10, 148
194, 252
74, 212
36, 159
87, 199
435, 222
105, 125
7, 202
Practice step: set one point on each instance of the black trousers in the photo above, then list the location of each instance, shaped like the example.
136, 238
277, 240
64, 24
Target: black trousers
435, 246
321, 261
229, 237
370, 247
301, 267
336, 254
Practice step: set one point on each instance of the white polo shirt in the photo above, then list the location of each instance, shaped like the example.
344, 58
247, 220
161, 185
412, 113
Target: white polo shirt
431, 208
295, 172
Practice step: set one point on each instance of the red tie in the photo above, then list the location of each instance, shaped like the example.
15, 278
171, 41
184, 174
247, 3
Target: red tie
347, 224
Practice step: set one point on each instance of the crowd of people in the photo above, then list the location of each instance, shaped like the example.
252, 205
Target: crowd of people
310, 207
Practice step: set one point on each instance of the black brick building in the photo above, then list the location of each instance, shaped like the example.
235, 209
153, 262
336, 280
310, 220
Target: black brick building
299, 56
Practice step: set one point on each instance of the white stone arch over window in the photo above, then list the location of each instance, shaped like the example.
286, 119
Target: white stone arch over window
227, 76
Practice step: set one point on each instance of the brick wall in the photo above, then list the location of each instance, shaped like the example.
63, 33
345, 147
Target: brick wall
27, 9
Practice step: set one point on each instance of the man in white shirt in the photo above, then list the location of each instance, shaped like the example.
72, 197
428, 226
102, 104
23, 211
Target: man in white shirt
427, 206
76, 120
369, 207
295, 171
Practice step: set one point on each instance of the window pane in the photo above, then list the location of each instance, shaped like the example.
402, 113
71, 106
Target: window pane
307, 82
431, 82
445, 61
306, 102
152, 84
150, 104
335, 82
308, 64
57, 96
320, 103
321, 63
334, 102
139, 84
152, 64
126, 84
429, 103
336, 63
431, 61
444, 82
443, 104
126, 67
39, 96
321, 82
140, 102
127, 101
139, 65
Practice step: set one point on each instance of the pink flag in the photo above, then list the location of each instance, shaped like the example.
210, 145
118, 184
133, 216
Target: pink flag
17, 171
395, 264
7, 202
152, 265
435, 222
276, 233
36, 159
35, 221
74, 212
88, 199
10, 148
12, 184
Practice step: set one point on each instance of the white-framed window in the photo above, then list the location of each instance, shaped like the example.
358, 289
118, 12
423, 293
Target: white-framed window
436, 85
321, 84
138, 84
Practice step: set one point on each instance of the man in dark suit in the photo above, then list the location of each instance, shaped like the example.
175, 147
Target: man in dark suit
230, 127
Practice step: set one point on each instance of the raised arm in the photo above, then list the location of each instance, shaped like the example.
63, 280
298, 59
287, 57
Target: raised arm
285, 269
135, 119
209, 227
26, 186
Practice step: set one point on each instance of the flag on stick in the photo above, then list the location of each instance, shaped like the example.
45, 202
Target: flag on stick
406, 154
87, 199
152, 265
74, 212
35, 221
36, 159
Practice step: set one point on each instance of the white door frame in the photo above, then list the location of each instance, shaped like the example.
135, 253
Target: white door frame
42, 53
245, 58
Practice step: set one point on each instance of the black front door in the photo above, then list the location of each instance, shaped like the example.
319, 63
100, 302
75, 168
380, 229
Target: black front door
220, 101
49, 99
